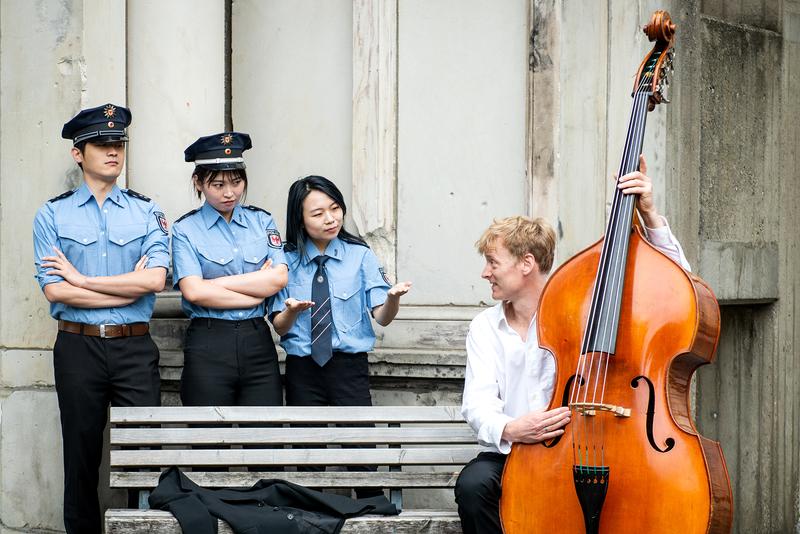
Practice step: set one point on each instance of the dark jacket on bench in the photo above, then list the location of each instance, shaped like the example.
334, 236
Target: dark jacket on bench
269, 507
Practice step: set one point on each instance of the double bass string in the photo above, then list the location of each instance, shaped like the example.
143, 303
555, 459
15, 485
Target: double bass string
618, 245
611, 255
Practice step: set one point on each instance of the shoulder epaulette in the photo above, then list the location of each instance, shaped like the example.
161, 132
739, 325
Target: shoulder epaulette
65, 194
256, 208
182, 217
134, 194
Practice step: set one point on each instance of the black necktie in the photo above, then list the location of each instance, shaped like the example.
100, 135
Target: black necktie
321, 314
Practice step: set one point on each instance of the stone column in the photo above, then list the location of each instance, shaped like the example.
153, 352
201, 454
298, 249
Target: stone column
176, 91
55, 58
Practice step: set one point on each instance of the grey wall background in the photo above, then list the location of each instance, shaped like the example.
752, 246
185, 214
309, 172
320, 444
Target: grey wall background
434, 117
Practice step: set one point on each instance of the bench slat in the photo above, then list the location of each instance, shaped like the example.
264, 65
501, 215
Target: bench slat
253, 457
408, 522
325, 479
333, 435
286, 414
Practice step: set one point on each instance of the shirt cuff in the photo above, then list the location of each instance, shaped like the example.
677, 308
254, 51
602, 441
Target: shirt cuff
496, 433
661, 236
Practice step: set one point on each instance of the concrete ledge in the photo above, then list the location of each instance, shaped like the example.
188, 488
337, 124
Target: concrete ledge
740, 273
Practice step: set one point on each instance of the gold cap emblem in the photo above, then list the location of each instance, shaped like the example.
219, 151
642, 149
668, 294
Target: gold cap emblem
109, 111
226, 139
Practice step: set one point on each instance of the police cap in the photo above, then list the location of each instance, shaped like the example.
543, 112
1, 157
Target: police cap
103, 124
222, 151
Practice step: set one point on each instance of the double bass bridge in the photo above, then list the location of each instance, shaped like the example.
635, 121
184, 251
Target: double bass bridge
591, 408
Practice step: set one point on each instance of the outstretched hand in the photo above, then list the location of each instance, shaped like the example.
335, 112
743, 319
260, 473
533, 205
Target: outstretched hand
400, 289
297, 306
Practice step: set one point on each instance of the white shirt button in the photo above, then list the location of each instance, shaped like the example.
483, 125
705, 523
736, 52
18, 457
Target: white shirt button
104, 254
105, 211
241, 313
121, 241
254, 258
102, 233
85, 240
236, 250
222, 259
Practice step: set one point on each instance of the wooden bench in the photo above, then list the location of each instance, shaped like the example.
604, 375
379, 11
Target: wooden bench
406, 439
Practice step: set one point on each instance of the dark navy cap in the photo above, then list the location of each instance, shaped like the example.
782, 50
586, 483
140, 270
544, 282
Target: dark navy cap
221, 152
102, 124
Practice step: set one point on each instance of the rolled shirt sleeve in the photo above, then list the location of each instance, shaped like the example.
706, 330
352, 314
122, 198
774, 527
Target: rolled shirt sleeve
156, 242
664, 240
376, 285
184, 258
45, 238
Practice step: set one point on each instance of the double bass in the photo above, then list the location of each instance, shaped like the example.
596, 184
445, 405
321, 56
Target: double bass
627, 327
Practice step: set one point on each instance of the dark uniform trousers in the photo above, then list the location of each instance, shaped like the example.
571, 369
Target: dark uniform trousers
90, 373
230, 363
343, 381
477, 494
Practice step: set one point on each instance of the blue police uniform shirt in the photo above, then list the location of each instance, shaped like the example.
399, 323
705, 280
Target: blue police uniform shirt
204, 244
357, 284
102, 240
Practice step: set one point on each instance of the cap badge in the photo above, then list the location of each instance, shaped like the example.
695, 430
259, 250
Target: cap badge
226, 139
227, 151
110, 124
109, 111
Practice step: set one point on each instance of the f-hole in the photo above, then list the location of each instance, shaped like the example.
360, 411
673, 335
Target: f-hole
651, 411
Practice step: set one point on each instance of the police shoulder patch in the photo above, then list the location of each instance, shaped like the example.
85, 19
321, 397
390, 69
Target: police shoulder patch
65, 194
256, 208
274, 238
187, 214
383, 274
161, 219
134, 194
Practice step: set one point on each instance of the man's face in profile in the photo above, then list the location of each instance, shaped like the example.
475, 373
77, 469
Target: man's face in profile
503, 271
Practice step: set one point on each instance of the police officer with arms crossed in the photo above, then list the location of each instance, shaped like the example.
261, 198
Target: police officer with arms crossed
101, 254
509, 378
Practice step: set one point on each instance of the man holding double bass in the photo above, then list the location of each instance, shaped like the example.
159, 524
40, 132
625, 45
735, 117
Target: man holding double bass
509, 378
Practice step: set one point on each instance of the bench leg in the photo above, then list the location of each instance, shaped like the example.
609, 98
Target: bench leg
143, 496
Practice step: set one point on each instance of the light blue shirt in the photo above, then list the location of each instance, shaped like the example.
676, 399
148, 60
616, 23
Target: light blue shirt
204, 244
356, 283
102, 240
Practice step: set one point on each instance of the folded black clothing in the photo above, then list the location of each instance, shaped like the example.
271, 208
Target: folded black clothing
270, 506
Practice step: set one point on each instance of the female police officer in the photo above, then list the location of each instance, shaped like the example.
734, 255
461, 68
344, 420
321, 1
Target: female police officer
227, 258
101, 253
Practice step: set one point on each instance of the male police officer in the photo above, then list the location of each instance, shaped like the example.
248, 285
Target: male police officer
101, 254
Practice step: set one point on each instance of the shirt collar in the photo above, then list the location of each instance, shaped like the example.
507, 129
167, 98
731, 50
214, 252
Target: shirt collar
334, 250
211, 216
83, 194
502, 322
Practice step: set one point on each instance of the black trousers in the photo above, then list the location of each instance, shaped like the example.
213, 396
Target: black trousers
90, 373
230, 363
343, 381
478, 494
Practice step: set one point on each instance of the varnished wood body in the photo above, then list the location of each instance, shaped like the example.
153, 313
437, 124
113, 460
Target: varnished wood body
669, 326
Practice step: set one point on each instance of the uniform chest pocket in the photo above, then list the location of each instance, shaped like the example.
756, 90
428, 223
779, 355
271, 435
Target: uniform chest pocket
346, 303
79, 244
125, 246
255, 253
215, 261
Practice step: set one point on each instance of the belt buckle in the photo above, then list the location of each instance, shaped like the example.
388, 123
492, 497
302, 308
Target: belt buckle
102, 331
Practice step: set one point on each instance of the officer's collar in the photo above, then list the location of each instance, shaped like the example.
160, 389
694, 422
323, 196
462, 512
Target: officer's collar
83, 194
211, 215
334, 250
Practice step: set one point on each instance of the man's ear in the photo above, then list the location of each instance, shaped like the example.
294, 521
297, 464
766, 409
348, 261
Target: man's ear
529, 264
77, 155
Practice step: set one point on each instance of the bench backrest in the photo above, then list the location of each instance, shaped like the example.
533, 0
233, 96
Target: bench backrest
147, 440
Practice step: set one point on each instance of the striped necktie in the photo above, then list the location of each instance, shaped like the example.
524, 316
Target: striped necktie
321, 319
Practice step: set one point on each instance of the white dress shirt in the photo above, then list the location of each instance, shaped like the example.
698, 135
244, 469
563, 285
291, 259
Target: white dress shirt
507, 377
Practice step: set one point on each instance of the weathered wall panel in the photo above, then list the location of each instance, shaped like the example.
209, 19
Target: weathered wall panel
461, 154
292, 90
